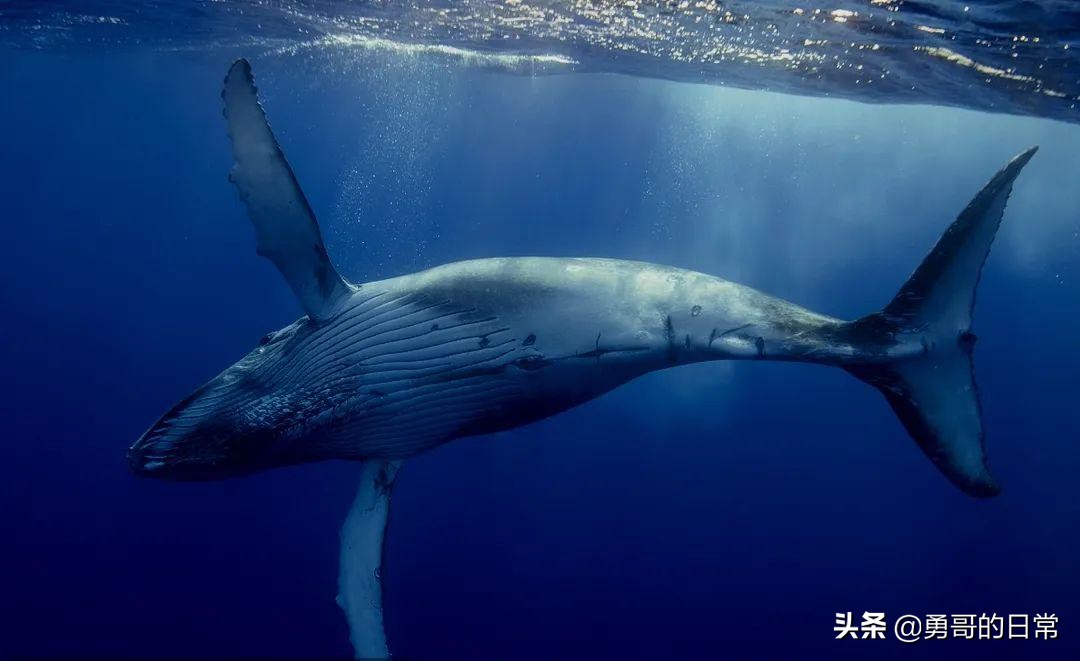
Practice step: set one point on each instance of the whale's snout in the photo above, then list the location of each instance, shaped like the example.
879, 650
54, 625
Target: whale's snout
204, 437
169, 447
237, 423
138, 462
141, 463
153, 454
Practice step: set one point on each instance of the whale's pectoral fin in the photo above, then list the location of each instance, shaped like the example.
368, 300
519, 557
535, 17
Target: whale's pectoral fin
285, 227
359, 579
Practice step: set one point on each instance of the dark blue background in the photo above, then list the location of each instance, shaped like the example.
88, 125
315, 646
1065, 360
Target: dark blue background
705, 509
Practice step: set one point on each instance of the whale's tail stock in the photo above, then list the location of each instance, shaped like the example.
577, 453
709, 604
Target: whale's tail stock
934, 393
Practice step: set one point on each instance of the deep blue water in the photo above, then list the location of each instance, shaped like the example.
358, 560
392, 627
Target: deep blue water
717, 508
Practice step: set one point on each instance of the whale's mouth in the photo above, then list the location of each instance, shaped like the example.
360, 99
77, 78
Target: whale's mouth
189, 442
153, 455
154, 451
167, 453
214, 433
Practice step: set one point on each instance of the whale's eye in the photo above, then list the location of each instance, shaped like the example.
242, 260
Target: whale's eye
266, 339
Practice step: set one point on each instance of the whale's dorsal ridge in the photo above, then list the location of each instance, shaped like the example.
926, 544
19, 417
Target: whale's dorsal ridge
286, 230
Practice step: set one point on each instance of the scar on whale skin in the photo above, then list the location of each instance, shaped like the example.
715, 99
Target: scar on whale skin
669, 335
531, 362
716, 334
596, 352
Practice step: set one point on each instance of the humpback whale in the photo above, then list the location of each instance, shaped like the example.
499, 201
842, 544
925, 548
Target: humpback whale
380, 371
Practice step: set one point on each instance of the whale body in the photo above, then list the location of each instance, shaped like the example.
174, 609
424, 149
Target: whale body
381, 371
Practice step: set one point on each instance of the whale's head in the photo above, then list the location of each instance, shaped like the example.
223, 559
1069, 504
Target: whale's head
249, 418
282, 403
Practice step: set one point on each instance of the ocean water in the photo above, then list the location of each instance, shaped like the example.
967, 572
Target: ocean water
707, 510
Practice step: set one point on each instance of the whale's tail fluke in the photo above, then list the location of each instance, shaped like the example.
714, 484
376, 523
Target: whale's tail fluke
934, 394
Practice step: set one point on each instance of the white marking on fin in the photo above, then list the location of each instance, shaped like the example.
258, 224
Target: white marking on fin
360, 580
